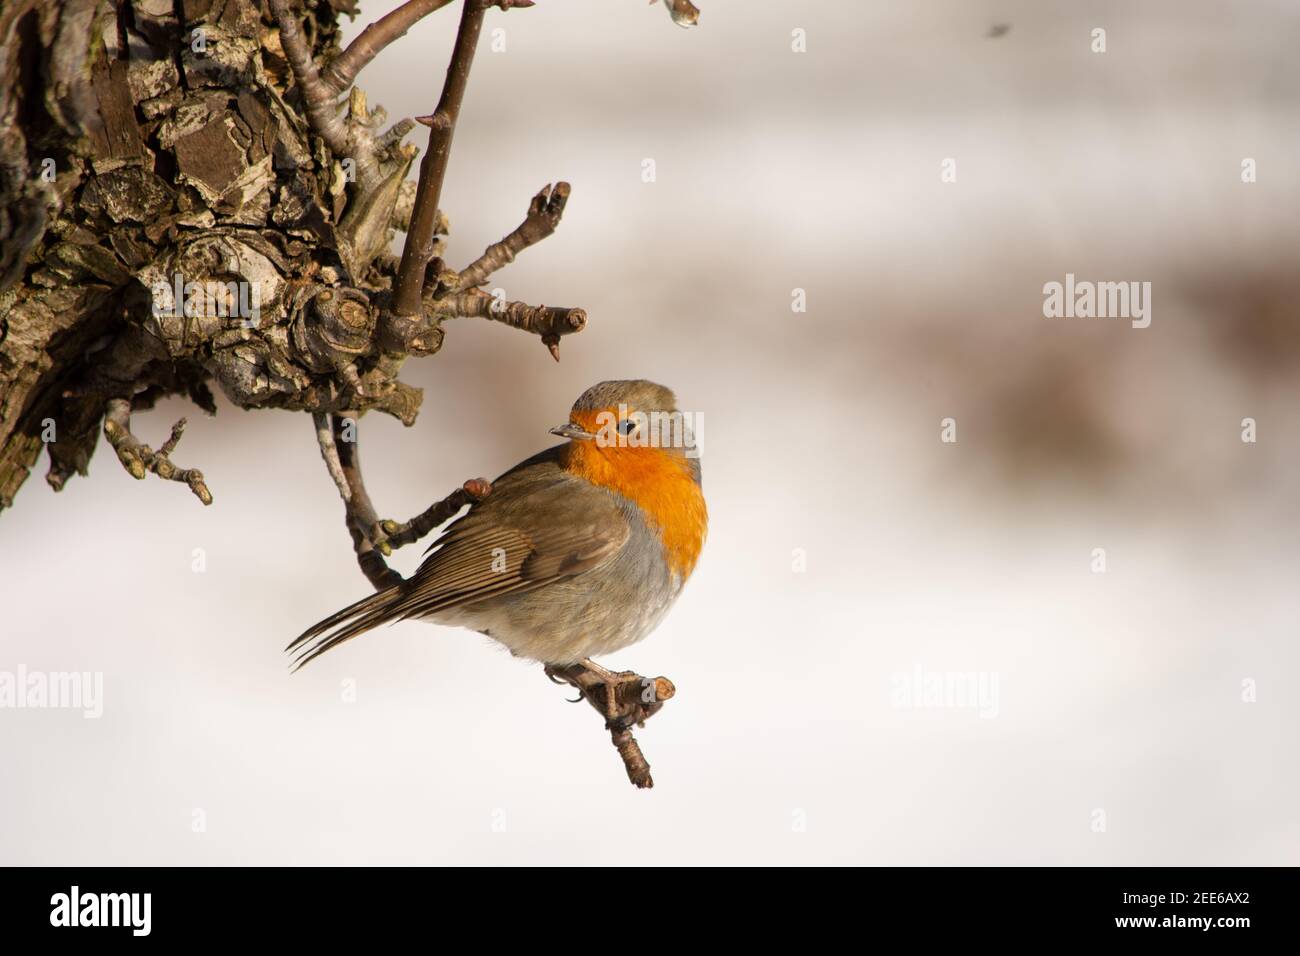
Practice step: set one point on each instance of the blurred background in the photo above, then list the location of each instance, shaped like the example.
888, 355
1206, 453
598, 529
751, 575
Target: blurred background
1144, 714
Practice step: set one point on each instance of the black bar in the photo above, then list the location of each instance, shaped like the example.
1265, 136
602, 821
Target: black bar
1164, 906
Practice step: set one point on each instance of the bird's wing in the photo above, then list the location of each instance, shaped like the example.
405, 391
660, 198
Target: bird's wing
538, 525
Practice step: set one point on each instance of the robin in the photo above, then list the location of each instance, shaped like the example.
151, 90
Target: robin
578, 551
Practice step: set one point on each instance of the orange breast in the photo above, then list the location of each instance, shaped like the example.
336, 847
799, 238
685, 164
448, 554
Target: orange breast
660, 484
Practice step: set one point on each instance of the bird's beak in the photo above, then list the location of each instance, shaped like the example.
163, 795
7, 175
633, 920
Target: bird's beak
570, 430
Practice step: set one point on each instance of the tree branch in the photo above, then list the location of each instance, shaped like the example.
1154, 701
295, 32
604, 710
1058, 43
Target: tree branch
374, 38
320, 99
329, 451
418, 248
544, 214
362, 521
373, 539
549, 322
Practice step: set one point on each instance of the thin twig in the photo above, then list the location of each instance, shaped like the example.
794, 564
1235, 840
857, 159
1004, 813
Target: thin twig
550, 322
544, 214
373, 539
374, 38
139, 459
329, 451
320, 99
403, 533
418, 248
363, 523
345, 140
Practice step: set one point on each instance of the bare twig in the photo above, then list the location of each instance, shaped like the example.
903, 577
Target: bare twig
139, 459
347, 139
418, 248
320, 99
374, 38
544, 214
549, 322
403, 533
363, 523
329, 451
373, 539
625, 699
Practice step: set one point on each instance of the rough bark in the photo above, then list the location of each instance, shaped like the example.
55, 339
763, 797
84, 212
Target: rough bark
194, 195
145, 143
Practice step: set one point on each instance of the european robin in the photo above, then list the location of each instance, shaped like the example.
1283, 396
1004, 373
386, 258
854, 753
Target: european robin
578, 551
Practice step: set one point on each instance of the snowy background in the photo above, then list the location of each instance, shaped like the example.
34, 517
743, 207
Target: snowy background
1120, 694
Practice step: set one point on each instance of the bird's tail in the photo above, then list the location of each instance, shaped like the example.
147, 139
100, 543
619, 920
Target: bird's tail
344, 625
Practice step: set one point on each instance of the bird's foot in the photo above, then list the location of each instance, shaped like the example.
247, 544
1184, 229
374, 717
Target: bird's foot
624, 699
611, 682
621, 696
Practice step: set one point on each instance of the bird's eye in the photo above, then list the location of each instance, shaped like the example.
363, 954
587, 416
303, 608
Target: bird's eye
626, 426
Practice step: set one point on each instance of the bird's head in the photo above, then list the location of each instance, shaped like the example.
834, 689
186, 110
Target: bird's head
630, 437
631, 423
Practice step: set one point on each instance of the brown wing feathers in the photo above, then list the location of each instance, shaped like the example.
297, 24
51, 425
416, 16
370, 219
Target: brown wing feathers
486, 554
460, 570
